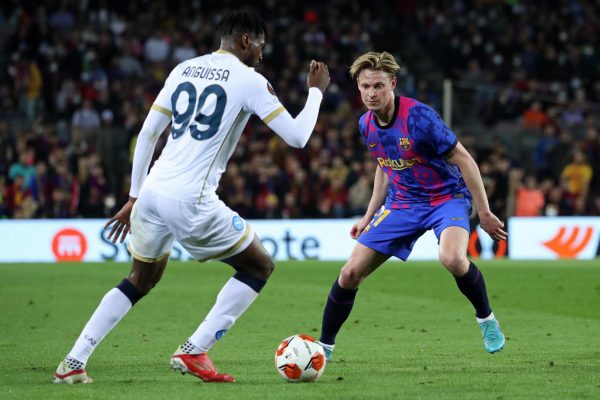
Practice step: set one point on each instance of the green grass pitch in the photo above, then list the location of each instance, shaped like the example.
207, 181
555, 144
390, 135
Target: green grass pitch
411, 334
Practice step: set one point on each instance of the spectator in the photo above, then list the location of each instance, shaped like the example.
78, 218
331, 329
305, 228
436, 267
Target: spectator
16, 196
535, 118
184, 51
157, 47
67, 98
556, 204
239, 197
529, 199
290, 207
360, 195
335, 199
23, 168
63, 20
576, 177
559, 155
84, 123
338, 171
595, 205
40, 186
4, 209
29, 83
78, 79
544, 146
61, 205
65, 193
111, 145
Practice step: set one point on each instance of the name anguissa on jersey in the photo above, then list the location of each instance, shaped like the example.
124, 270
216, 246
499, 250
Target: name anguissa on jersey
217, 74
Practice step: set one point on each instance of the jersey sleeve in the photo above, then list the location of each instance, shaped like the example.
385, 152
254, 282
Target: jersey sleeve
261, 99
431, 130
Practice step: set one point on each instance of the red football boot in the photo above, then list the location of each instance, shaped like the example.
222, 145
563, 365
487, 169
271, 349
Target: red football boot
198, 365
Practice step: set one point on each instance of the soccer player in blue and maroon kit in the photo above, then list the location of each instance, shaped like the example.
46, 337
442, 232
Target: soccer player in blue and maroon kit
425, 179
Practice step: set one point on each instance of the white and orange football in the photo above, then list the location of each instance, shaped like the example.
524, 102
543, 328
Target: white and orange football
300, 358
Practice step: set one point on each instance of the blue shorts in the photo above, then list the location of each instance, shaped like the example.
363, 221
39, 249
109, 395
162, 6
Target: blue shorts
395, 231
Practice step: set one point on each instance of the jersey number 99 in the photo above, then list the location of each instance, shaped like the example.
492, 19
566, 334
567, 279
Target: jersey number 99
183, 120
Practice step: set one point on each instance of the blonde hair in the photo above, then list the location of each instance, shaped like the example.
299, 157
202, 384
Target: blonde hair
383, 61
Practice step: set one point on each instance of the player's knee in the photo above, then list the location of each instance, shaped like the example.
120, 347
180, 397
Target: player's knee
260, 269
349, 278
266, 269
454, 262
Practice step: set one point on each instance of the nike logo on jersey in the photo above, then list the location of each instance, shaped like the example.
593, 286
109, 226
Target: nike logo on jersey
371, 145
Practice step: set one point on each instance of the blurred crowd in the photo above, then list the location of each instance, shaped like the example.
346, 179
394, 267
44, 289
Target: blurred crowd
78, 77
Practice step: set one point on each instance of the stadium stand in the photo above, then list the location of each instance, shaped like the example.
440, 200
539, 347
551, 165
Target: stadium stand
77, 78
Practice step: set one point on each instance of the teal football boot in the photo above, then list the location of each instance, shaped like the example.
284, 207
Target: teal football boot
493, 338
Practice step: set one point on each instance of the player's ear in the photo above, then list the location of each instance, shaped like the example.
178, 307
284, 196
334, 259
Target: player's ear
394, 82
245, 40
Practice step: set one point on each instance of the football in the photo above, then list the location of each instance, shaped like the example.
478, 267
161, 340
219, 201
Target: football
300, 358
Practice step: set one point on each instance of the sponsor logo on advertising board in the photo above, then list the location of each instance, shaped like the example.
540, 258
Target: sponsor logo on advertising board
69, 245
481, 245
568, 242
554, 238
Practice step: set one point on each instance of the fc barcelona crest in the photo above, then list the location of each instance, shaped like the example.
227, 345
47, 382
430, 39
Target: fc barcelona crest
405, 143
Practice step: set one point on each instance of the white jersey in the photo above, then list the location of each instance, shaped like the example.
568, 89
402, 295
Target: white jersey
209, 100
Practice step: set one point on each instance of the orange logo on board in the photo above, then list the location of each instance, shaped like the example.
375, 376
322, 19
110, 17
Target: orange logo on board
565, 247
69, 245
474, 252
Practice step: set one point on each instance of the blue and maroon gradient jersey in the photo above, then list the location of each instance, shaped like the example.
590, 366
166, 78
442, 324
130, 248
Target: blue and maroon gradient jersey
411, 150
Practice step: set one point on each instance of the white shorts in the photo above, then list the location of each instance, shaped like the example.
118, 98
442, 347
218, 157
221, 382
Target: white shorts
207, 231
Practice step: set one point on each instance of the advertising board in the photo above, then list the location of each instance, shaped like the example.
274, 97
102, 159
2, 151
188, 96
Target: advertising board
320, 239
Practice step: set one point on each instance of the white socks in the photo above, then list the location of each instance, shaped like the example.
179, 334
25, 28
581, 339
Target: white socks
233, 299
328, 347
488, 318
111, 309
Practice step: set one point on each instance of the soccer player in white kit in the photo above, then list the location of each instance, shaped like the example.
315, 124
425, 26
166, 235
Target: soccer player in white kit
208, 100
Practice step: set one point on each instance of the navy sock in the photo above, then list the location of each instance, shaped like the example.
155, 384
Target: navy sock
472, 286
338, 307
255, 283
130, 291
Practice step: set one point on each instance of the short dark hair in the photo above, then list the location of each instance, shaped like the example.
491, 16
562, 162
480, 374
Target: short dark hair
241, 21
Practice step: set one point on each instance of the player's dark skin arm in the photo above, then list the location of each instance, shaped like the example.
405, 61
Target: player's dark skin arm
121, 228
460, 157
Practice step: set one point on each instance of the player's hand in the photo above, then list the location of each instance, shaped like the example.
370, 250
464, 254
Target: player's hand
492, 225
359, 227
318, 76
121, 222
